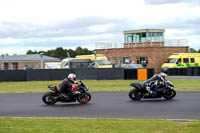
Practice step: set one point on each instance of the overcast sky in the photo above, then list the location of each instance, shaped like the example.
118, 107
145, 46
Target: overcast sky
47, 24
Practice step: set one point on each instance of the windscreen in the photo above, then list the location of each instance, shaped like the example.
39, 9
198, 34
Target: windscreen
172, 60
104, 62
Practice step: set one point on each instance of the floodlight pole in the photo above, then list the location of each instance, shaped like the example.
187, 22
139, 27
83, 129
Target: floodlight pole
95, 59
2, 58
41, 60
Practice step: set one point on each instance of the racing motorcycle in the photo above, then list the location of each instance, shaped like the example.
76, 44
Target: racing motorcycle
165, 90
80, 94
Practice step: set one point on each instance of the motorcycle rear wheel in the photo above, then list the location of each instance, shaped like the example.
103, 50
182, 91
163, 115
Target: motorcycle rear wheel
135, 94
169, 94
49, 98
84, 98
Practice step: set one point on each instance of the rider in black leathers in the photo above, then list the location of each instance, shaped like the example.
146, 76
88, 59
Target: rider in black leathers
65, 88
155, 81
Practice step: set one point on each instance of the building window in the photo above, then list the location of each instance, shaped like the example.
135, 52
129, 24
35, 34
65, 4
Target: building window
15, 66
133, 38
185, 60
6, 66
149, 37
159, 37
125, 60
130, 38
142, 60
138, 37
143, 37
28, 67
192, 60
153, 38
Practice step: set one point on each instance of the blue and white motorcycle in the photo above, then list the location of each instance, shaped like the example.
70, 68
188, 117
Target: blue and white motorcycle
165, 90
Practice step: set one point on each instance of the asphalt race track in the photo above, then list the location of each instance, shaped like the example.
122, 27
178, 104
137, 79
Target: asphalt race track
186, 105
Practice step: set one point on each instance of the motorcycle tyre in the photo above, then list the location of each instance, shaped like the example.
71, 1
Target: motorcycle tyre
84, 101
170, 97
133, 92
49, 94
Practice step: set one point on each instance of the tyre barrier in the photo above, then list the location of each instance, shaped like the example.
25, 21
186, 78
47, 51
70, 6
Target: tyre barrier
196, 71
169, 71
175, 71
190, 71
139, 74
184, 71
82, 74
130, 74
150, 72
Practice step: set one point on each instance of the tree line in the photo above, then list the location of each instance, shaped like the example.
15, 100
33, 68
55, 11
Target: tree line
192, 50
61, 53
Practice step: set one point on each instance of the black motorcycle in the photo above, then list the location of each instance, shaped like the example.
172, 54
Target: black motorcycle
165, 90
80, 94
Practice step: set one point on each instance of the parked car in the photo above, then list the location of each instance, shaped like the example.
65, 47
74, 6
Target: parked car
29, 67
130, 66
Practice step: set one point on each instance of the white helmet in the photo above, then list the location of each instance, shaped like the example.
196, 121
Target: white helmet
164, 75
71, 76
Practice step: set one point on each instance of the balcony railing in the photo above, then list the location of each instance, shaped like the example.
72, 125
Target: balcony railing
175, 42
167, 43
109, 45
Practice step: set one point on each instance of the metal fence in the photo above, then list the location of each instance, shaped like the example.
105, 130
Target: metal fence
109, 45
167, 43
175, 42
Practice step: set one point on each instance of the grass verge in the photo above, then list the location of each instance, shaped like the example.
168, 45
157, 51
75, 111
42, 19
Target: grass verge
64, 125
94, 85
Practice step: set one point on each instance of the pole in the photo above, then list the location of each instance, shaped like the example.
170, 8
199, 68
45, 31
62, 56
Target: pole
41, 60
2, 61
95, 59
68, 55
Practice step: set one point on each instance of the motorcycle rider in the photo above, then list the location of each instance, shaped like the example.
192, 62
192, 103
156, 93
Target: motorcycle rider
65, 87
156, 81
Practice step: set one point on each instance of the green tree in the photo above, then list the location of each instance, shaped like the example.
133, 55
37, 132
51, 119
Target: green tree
31, 52
192, 50
61, 53
78, 51
71, 53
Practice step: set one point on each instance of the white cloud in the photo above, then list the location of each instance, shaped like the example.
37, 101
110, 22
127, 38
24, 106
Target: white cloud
36, 24
100, 28
51, 11
10, 41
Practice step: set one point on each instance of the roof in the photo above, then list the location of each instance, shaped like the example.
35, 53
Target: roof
29, 57
144, 30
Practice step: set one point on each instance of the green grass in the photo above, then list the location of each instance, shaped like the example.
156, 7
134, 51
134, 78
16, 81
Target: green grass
65, 125
94, 85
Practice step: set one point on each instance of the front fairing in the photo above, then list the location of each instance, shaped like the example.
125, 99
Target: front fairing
82, 87
168, 83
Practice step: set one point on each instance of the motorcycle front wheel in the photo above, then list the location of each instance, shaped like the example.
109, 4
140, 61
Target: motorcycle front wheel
135, 94
49, 98
84, 98
169, 94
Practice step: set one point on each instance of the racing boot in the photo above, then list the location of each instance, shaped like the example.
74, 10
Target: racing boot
149, 89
